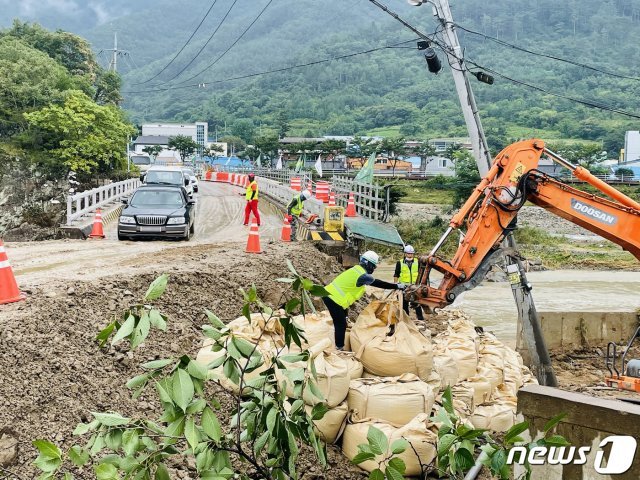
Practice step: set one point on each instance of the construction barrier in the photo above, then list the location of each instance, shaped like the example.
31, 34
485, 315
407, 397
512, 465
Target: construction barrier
296, 183
322, 191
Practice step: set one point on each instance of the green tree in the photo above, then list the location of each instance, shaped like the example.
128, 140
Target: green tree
184, 145
268, 145
333, 148
82, 135
234, 144
282, 122
393, 147
467, 175
107, 88
244, 128
425, 150
153, 151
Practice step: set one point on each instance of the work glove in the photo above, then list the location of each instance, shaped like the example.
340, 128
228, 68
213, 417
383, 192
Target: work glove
290, 218
401, 286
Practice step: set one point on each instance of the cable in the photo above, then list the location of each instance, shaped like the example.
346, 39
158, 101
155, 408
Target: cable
231, 46
545, 55
276, 70
204, 46
183, 47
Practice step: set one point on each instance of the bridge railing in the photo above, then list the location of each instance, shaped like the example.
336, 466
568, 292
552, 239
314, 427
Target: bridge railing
370, 199
282, 176
82, 203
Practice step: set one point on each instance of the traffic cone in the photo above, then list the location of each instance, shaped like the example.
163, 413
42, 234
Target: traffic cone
8, 287
253, 242
97, 231
286, 230
351, 207
332, 200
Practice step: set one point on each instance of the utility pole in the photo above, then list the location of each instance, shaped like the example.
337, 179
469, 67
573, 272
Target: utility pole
113, 63
530, 339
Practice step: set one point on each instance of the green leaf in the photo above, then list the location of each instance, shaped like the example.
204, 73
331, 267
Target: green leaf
261, 442
157, 320
197, 370
211, 425
83, 428
315, 390
231, 371
191, 433
377, 440
78, 455
104, 335
130, 442
291, 305
464, 460
556, 441
447, 401
141, 331
393, 474
176, 428
553, 422
398, 464
498, 461
196, 406
182, 388
157, 287
399, 446
291, 268
318, 411
161, 472
246, 311
67, 476
376, 474
164, 389
157, 364
445, 442
113, 439
110, 419
318, 291
516, 430
125, 329
47, 465
47, 449
272, 417
215, 321
106, 471
135, 382
307, 284
362, 457
245, 348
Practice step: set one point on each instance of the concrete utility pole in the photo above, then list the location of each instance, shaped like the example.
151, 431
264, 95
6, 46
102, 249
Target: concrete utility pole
113, 63
530, 338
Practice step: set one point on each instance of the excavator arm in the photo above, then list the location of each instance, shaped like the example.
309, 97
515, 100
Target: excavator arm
490, 214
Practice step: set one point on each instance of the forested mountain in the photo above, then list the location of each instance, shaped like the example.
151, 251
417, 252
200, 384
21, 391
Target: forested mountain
387, 91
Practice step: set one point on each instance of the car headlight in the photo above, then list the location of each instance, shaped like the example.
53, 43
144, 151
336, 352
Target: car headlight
128, 220
176, 221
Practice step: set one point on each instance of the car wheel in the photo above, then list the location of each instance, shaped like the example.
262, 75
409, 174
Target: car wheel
192, 230
187, 237
121, 237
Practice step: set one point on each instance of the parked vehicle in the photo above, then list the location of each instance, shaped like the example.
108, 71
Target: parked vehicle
164, 175
143, 162
158, 211
192, 176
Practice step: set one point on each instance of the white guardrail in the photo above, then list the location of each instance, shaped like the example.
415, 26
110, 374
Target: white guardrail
87, 202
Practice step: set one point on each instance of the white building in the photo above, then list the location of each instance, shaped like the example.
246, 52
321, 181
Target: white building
631, 145
198, 131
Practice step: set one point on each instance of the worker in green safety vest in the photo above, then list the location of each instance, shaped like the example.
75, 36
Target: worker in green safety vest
407, 273
251, 195
294, 210
348, 287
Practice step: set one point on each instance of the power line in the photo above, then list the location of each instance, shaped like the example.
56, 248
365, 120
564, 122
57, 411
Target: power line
204, 46
183, 47
231, 46
276, 70
545, 55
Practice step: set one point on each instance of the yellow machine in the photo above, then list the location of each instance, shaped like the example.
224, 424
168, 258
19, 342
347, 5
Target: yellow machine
332, 226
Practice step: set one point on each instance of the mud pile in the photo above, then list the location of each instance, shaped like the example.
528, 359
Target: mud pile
52, 374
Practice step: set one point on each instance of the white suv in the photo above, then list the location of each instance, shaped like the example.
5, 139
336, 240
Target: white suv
192, 176
161, 175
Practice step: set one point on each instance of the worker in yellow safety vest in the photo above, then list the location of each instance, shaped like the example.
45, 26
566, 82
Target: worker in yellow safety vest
294, 210
407, 273
251, 196
348, 287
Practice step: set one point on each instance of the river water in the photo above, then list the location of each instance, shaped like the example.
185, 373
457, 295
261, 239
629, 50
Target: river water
491, 305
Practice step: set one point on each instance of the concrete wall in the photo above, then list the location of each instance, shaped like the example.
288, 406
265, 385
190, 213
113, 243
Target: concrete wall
589, 420
584, 329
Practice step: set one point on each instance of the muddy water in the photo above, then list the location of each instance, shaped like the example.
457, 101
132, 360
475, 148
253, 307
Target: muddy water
491, 305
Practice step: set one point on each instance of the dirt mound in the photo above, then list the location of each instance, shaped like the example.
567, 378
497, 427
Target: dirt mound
52, 373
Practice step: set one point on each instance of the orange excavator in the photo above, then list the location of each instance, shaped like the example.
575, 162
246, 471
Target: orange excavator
490, 213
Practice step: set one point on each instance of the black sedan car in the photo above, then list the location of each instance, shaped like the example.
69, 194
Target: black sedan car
158, 211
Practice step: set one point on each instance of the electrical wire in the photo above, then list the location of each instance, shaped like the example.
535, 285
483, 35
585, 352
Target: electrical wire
231, 46
545, 55
183, 47
204, 46
275, 70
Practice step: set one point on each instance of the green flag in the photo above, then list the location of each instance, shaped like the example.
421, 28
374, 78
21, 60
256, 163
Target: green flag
300, 164
365, 175
259, 160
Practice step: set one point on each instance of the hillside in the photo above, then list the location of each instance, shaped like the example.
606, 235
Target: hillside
384, 92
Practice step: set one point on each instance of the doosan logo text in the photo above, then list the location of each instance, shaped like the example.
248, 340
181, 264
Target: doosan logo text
621, 455
593, 212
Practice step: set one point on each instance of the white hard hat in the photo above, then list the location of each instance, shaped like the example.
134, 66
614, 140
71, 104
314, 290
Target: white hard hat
409, 249
370, 256
306, 194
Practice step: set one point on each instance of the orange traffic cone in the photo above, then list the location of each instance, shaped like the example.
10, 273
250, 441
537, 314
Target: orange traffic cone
253, 242
8, 287
351, 207
332, 200
97, 231
285, 236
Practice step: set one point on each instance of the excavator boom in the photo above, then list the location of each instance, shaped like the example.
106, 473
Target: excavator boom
490, 213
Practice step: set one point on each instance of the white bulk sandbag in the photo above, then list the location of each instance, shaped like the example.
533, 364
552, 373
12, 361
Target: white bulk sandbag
419, 433
260, 326
447, 369
355, 366
481, 389
329, 428
395, 400
434, 381
404, 351
375, 320
464, 393
494, 416
317, 327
